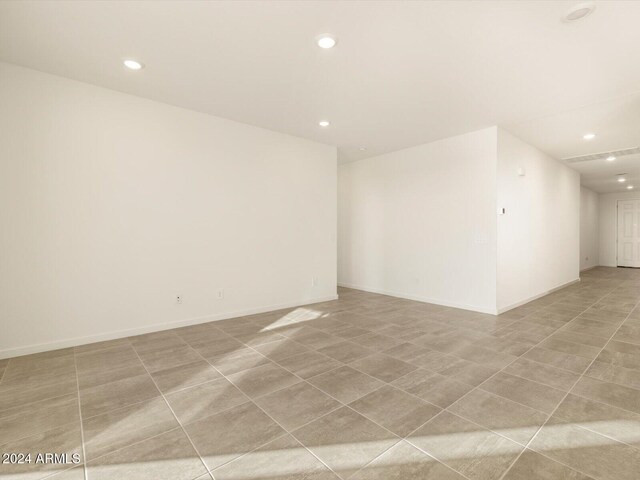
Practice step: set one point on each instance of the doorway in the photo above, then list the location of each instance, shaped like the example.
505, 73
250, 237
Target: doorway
629, 233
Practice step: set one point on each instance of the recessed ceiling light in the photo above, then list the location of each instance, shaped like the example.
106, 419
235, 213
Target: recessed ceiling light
622, 179
611, 158
579, 11
133, 65
324, 123
589, 136
362, 149
326, 41
629, 187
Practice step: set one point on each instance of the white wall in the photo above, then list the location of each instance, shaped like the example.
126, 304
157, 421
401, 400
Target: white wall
539, 236
112, 205
608, 226
420, 223
589, 214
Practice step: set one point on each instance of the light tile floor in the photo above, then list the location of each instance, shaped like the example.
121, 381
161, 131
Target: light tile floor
365, 387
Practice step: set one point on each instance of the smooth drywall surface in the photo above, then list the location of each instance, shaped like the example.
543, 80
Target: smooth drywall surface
589, 213
539, 234
608, 226
111, 206
420, 223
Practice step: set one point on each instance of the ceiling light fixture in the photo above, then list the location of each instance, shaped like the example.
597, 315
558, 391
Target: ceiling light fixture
611, 158
629, 187
589, 136
622, 180
326, 41
362, 149
133, 65
324, 123
579, 11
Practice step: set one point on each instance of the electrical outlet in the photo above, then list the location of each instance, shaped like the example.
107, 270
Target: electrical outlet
220, 294
178, 299
314, 281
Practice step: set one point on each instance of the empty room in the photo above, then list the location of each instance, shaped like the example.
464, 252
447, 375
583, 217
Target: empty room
319, 240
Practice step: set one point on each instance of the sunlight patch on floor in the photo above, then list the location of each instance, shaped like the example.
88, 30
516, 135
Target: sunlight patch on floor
299, 315
276, 463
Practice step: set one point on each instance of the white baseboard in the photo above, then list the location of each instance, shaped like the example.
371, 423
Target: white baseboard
535, 297
453, 304
418, 298
589, 268
73, 342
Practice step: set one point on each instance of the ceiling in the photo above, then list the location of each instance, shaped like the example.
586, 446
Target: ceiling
402, 73
616, 124
601, 176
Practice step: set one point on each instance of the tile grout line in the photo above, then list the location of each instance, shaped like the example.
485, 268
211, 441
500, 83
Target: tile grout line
400, 439
146, 438
343, 364
625, 342
406, 439
580, 375
355, 399
172, 412
147, 399
4, 372
287, 432
420, 450
306, 380
374, 352
387, 384
471, 421
214, 414
478, 386
489, 430
430, 454
570, 390
498, 433
250, 400
536, 381
137, 442
390, 384
36, 401
272, 419
523, 354
84, 453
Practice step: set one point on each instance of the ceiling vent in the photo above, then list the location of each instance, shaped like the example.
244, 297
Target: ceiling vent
603, 155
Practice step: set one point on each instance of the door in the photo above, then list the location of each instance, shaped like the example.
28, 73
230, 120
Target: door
629, 233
